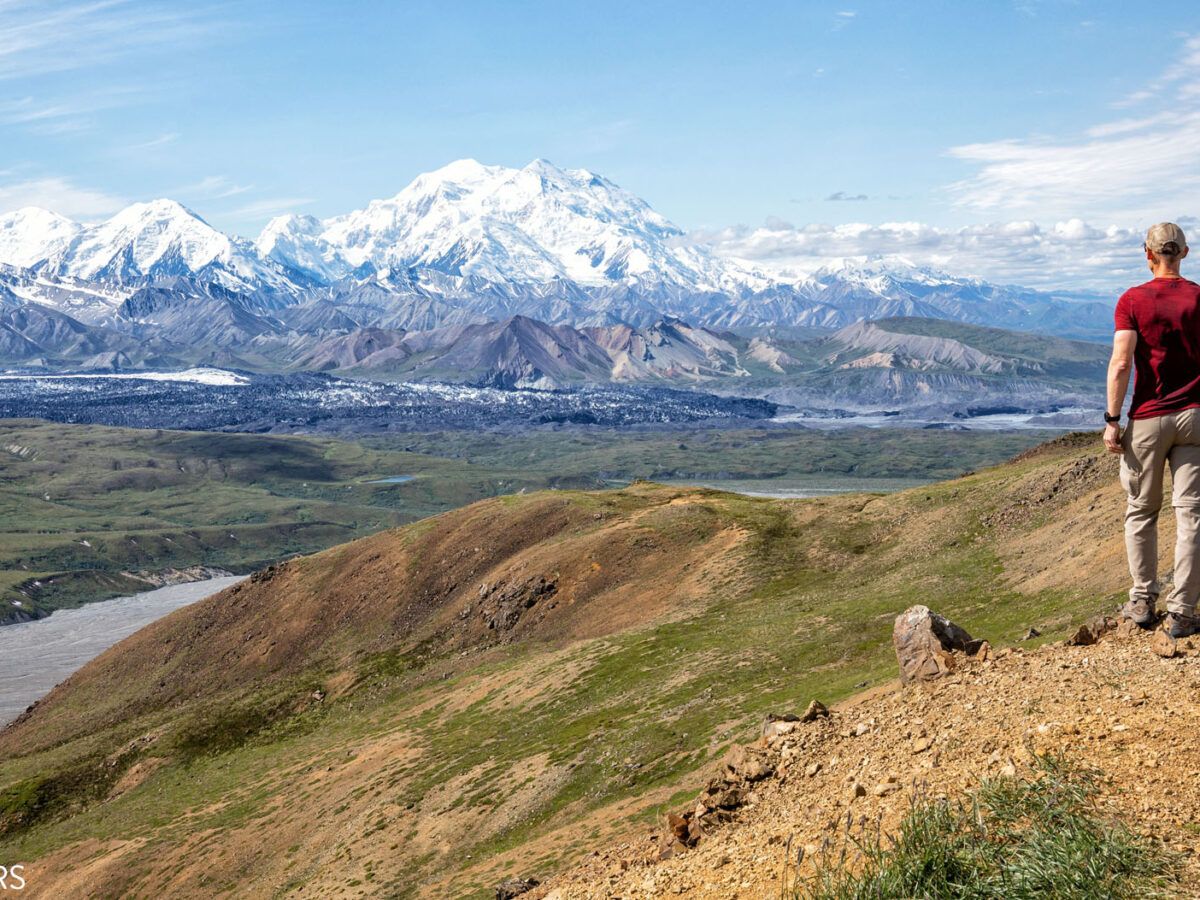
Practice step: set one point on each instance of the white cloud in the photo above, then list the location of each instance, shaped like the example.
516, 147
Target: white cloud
60, 196
270, 206
213, 186
45, 118
1140, 168
1070, 254
154, 143
64, 115
44, 36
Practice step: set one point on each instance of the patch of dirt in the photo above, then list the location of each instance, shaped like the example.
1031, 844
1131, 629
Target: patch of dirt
1047, 490
74, 872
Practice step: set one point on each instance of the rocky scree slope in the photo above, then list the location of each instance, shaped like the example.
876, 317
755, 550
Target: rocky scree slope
816, 783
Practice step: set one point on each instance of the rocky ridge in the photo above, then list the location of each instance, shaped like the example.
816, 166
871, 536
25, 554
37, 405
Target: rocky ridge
1116, 699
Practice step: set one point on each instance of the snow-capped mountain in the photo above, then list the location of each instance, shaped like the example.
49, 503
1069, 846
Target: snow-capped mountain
160, 237
30, 236
143, 242
469, 244
535, 224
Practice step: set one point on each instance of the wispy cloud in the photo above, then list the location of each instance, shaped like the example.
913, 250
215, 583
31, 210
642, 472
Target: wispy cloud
1133, 168
269, 206
62, 115
213, 187
842, 196
44, 119
43, 36
154, 143
61, 196
1068, 254
844, 17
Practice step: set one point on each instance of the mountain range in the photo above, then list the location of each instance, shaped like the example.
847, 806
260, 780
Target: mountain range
537, 276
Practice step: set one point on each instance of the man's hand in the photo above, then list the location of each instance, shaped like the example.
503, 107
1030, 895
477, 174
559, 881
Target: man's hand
1112, 437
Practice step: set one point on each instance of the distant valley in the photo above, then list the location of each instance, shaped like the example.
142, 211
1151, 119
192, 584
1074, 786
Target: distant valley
90, 512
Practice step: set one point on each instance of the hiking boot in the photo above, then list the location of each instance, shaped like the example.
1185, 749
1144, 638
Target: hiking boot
1140, 612
1179, 625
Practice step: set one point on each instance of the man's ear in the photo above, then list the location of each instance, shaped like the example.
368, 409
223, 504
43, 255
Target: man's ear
1185, 252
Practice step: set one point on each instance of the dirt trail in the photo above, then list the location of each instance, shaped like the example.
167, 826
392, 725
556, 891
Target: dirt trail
1115, 706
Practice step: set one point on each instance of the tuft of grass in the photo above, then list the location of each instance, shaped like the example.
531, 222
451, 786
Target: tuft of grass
1016, 838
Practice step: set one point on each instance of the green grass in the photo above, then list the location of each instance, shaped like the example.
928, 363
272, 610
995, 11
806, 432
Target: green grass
781, 456
83, 509
1015, 839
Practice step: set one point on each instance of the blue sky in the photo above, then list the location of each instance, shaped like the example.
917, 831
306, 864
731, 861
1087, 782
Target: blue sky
777, 131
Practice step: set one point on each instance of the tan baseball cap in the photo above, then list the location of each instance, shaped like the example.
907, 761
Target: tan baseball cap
1166, 238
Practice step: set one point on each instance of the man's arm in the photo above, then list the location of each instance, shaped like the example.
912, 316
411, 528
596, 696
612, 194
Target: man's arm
1120, 366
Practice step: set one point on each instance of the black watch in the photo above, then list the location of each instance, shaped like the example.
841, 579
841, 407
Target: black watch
1111, 420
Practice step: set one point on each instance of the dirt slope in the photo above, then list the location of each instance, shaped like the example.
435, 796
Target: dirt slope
1115, 705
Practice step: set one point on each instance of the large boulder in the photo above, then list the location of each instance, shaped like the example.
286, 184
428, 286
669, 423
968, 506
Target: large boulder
925, 643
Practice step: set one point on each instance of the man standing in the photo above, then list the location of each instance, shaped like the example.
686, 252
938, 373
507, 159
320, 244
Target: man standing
1158, 337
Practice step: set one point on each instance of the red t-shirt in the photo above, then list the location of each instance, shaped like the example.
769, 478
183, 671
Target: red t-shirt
1165, 313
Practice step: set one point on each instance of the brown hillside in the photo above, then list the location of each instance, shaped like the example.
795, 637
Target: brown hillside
546, 569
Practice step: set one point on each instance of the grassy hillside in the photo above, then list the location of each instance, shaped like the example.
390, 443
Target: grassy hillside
83, 508
80, 505
504, 687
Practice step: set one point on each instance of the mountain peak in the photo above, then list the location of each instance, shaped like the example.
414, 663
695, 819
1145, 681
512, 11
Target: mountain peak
31, 214
535, 225
461, 171
542, 166
161, 209
31, 234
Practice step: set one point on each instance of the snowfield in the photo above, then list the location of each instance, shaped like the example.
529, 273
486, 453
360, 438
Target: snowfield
200, 375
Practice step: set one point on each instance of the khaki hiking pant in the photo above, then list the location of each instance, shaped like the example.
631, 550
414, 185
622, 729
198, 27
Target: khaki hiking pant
1149, 446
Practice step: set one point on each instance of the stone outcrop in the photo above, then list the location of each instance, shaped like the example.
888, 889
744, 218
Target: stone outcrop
744, 766
816, 710
1091, 631
502, 605
926, 642
515, 887
1164, 645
